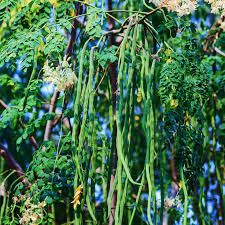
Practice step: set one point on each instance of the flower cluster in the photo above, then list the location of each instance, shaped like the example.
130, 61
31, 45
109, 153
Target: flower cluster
181, 7
185, 7
62, 76
217, 6
172, 202
33, 213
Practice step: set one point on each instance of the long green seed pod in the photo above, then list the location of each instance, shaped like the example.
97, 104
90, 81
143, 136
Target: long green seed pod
162, 175
149, 134
142, 76
152, 144
185, 196
89, 89
130, 79
77, 92
77, 95
86, 100
128, 124
90, 210
89, 95
121, 161
119, 192
123, 200
120, 106
88, 103
84, 86
137, 199
104, 183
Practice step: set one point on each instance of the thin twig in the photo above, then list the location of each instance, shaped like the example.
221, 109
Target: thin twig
52, 107
219, 51
213, 34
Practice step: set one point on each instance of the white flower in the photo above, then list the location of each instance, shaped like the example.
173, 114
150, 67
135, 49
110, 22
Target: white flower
32, 213
62, 76
181, 7
217, 6
185, 7
172, 202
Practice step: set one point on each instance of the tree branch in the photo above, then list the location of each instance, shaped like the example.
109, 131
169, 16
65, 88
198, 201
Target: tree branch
213, 34
12, 163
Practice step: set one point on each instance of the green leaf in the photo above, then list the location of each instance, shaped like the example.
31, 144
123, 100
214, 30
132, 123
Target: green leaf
49, 200
19, 140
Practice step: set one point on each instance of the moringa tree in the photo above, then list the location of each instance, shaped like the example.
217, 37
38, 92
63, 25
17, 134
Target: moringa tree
112, 112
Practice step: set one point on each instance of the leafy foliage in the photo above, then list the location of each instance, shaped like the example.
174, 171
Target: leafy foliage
132, 129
